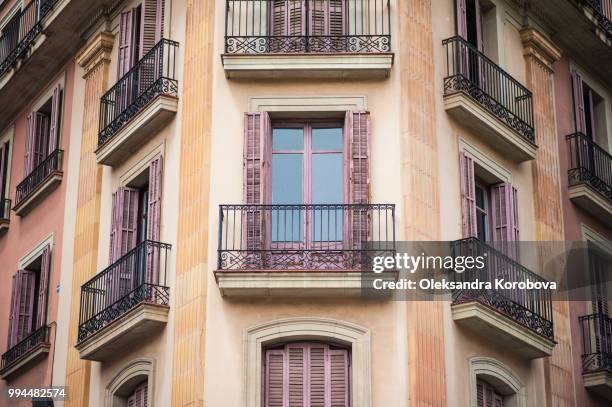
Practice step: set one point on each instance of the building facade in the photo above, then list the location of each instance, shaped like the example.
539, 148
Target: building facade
190, 192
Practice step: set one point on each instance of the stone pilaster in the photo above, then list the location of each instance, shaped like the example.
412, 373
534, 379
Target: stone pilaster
94, 58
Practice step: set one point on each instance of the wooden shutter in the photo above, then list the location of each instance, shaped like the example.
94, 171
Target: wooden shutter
15, 300
486, 396
318, 374
339, 377
357, 135
152, 21
25, 312
461, 18
27, 167
579, 115
479, 38
287, 18
504, 213
43, 287
3, 170
275, 372
124, 62
41, 138
296, 375
257, 175
55, 119
480, 394
468, 200
154, 219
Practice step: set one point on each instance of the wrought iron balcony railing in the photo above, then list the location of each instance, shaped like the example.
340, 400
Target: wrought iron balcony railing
597, 342
137, 277
603, 12
51, 164
304, 237
21, 31
25, 346
152, 76
530, 308
307, 26
5, 209
470, 71
589, 164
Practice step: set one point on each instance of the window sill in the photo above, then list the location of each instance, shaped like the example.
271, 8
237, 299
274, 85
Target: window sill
502, 330
128, 329
137, 130
599, 382
478, 119
39, 193
591, 201
37, 353
279, 66
303, 284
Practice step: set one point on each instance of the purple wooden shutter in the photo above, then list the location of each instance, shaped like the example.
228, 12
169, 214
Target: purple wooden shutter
25, 313
43, 287
296, 376
479, 38
461, 18
318, 375
339, 378
151, 30
15, 300
29, 155
41, 138
124, 62
257, 168
592, 110
3, 164
55, 120
468, 200
504, 212
579, 116
274, 381
359, 132
480, 395
154, 219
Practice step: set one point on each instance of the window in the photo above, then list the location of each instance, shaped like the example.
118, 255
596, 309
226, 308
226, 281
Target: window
487, 396
4, 177
43, 132
307, 374
138, 398
29, 296
589, 111
9, 34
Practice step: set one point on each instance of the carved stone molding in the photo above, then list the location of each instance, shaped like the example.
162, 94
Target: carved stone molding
97, 51
538, 46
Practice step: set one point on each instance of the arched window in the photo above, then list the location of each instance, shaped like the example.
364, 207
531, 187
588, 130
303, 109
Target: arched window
488, 395
493, 384
132, 385
138, 398
306, 374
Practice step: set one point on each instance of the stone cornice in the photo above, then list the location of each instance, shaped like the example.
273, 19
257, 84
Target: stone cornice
96, 51
538, 46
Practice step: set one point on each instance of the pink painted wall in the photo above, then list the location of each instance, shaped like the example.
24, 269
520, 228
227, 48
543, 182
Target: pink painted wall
574, 217
24, 234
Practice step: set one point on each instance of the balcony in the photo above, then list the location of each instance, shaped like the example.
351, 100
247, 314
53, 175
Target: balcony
139, 104
602, 15
590, 176
300, 250
124, 303
487, 100
5, 214
39, 183
517, 320
307, 39
31, 43
29, 350
597, 356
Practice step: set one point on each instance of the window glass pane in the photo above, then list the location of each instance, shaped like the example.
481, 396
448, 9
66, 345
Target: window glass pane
327, 188
288, 139
327, 139
287, 188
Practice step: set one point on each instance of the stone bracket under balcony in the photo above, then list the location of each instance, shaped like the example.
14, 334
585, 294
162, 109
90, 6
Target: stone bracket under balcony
137, 130
292, 284
482, 122
301, 66
127, 330
586, 197
497, 328
39, 193
599, 382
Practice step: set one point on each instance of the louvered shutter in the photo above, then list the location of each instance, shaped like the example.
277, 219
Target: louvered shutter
468, 200
578, 93
357, 134
327, 18
41, 138
25, 312
29, 154
257, 135
499, 402
54, 131
43, 287
14, 310
287, 19
275, 383
152, 20
504, 213
3, 169
339, 378
154, 218
296, 375
480, 395
318, 373
124, 61
461, 18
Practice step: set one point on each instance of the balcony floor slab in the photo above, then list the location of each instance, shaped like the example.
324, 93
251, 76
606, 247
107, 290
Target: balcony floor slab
36, 354
599, 382
586, 197
498, 328
39, 193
